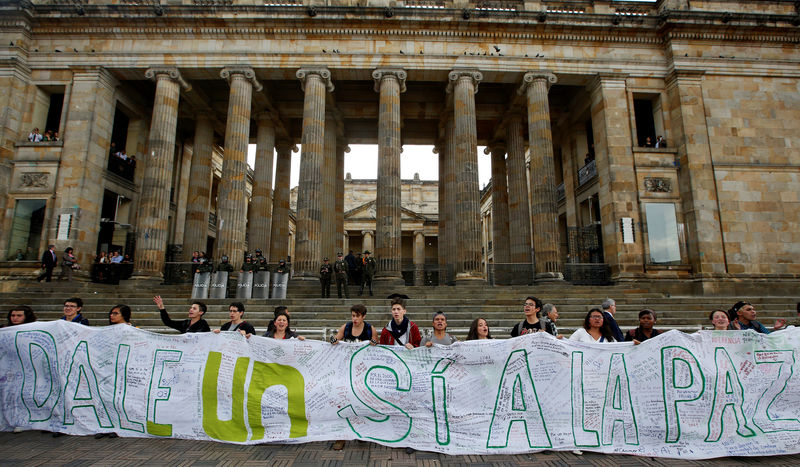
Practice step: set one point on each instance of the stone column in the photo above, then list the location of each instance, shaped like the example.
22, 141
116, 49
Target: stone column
451, 241
390, 83
696, 177
519, 224
200, 179
616, 175
315, 82
543, 176
153, 219
500, 242
464, 84
441, 250
232, 199
329, 191
260, 212
279, 236
419, 257
340, 235
368, 243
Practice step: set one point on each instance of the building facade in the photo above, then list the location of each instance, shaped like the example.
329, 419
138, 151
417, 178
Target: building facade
584, 88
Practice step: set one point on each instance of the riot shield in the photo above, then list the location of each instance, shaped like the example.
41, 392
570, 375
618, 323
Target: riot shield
219, 285
279, 283
244, 287
261, 284
201, 281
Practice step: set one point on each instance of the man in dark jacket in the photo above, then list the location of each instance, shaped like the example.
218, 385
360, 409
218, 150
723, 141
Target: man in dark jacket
49, 261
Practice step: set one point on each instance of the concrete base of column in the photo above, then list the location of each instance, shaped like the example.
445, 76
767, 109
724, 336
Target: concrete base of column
468, 278
419, 275
304, 279
549, 277
390, 281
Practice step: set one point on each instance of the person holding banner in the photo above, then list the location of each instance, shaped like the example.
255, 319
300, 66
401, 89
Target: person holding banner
357, 330
440, 334
595, 328
236, 311
195, 322
531, 308
647, 319
282, 329
400, 330
479, 329
20, 314
72, 311
719, 319
745, 314
120, 314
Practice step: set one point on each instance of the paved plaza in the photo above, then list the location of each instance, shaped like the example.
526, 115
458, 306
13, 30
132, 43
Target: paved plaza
33, 448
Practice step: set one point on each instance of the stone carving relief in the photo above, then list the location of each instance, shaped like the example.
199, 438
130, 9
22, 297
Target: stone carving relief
657, 184
34, 180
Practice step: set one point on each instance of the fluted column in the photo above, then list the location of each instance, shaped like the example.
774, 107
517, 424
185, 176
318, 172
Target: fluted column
200, 179
500, 244
329, 189
340, 236
153, 219
308, 240
519, 226
279, 231
441, 249
368, 243
232, 199
464, 85
419, 258
390, 83
451, 241
260, 212
543, 192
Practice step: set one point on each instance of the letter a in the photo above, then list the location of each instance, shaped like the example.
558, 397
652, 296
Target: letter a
517, 402
728, 392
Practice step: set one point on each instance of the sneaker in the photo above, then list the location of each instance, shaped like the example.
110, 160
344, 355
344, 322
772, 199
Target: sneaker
577, 452
18, 429
338, 445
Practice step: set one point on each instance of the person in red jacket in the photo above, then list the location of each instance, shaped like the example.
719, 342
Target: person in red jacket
400, 330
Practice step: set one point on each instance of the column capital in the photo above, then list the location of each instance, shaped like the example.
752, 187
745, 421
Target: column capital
230, 71
419, 232
365, 232
535, 76
171, 72
265, 116
495, 145
285, 145
325, 74
457, 74
398, 73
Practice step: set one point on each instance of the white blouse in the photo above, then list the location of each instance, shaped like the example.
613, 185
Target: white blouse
581, 335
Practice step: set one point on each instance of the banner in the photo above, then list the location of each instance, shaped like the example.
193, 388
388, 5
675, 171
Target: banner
700, 395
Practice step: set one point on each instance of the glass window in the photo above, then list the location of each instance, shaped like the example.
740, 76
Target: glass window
662, 233
26, 229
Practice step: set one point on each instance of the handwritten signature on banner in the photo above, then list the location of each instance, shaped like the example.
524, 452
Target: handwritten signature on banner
703, 395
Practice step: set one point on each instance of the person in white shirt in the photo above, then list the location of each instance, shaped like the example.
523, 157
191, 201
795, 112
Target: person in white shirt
595, 328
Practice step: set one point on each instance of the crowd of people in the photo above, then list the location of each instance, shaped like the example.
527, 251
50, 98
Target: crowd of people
48, 136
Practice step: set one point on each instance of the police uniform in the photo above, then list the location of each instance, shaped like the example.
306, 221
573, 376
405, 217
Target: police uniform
340, 269
325, 278
368, 272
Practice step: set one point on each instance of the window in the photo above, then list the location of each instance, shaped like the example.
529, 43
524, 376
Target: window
662, 233
26, 229
47, 108
649, 122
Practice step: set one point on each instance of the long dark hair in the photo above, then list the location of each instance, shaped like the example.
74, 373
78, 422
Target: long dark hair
30, 316
124, 311
473, 330
288, 323
605, 329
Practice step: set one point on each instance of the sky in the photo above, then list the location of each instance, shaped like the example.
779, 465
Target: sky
362, 162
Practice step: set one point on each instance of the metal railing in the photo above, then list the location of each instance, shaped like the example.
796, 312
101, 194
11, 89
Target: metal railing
110, 273
587, 173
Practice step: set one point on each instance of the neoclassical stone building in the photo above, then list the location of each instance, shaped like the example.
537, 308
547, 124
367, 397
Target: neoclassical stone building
578, 85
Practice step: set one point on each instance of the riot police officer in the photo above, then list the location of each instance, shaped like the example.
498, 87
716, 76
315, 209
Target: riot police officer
225, 265
325, 278
368, 272
248, 265
340, 269
282, 267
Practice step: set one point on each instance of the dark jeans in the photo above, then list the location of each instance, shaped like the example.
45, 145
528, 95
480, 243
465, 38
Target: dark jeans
341, 282
326, 287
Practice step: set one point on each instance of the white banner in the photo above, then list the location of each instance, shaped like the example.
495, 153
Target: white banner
699, 395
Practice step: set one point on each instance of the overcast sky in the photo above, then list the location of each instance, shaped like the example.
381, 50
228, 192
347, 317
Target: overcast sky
362, 162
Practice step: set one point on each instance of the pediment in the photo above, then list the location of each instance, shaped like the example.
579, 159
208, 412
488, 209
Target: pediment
367, 211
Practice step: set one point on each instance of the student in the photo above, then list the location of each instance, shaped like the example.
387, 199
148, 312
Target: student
400, 330
72, 311
647, 319
357, 330
479, 329
120, 314
236, 311
195, 322
283, 329
595, 328
440, 334
531, 308
745, 316
719, 319
20, 314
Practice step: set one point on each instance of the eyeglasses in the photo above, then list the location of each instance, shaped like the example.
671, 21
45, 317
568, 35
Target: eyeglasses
528, 304
595, 317
70, 306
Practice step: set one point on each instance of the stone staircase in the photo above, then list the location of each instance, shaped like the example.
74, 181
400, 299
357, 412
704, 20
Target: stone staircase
317, 318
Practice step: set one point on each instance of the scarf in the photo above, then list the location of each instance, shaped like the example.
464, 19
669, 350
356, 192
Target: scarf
398, 330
